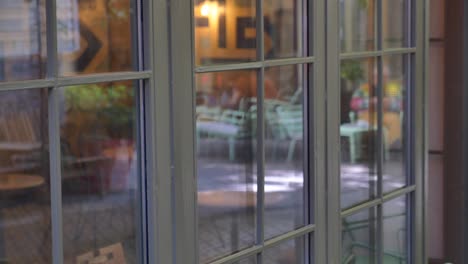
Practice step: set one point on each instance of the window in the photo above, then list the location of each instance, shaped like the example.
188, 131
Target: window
70, 154
251, 122
212, 131
376, 121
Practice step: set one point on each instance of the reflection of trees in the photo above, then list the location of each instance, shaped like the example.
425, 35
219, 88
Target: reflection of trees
98, 111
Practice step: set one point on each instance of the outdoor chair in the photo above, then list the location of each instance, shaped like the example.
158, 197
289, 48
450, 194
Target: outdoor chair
351, 256
291, 119
232, 125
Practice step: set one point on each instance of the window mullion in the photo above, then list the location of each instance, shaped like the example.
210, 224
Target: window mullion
333, 205
182, 95
158, 134
318, 132
420, 130
260, 136
55, 167
55, 176
380, 130
380, 156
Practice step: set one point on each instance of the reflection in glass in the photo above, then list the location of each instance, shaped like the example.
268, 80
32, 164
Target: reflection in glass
25, 225
22, 40
357, 25
394, 80
359, 237
284, 24
289, 252
358, 131
99, 178
225, 31
284, 153
249, 260
94, 36
226, 130
395, 20
395, 231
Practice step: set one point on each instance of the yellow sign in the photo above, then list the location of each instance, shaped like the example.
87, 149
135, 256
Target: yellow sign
226, 31
93, 53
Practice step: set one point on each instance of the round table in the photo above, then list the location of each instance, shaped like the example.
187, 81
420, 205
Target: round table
18, 181
232, 202
236, 199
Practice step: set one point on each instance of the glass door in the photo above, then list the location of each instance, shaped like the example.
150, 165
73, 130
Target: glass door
254, 68
379, 95
306, 126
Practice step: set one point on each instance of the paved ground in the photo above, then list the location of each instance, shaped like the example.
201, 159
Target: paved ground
92, 220
359, 181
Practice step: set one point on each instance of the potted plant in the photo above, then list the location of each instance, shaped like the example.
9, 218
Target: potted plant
109, 109
102, 118
351, 74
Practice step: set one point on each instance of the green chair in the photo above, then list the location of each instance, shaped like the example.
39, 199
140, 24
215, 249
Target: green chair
208, 113
232, 125
354, 132
351, 257
290, 117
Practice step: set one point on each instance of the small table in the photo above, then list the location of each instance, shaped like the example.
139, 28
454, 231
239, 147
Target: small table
354, 132
20, 146
17, 181
232, 201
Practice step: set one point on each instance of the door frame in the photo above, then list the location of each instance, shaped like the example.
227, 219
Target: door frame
324, 118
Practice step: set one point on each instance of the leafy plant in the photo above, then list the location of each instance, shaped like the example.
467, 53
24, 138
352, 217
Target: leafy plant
112, 106
363, 3
352, 71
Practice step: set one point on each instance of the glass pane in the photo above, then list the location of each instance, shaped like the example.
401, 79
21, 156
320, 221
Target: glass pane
394, 79
358, 131
395, 233
284, 152
249, 260
25, 225
357, 25
284, 22
226, 126
289, 252
100, 186
360, 238
22, 40
94, 36
396, 21
225, 31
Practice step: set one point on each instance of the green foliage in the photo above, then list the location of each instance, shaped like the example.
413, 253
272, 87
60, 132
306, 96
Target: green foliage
93, 97
363, 3
352, 71
112, 105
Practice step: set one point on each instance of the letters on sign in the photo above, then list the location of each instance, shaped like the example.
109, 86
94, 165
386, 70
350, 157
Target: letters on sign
243, 24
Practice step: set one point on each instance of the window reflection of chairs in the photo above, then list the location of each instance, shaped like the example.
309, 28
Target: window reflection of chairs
20, 140
290, 118
24, 179
19, 127
283, 122
232, 125
357, 251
